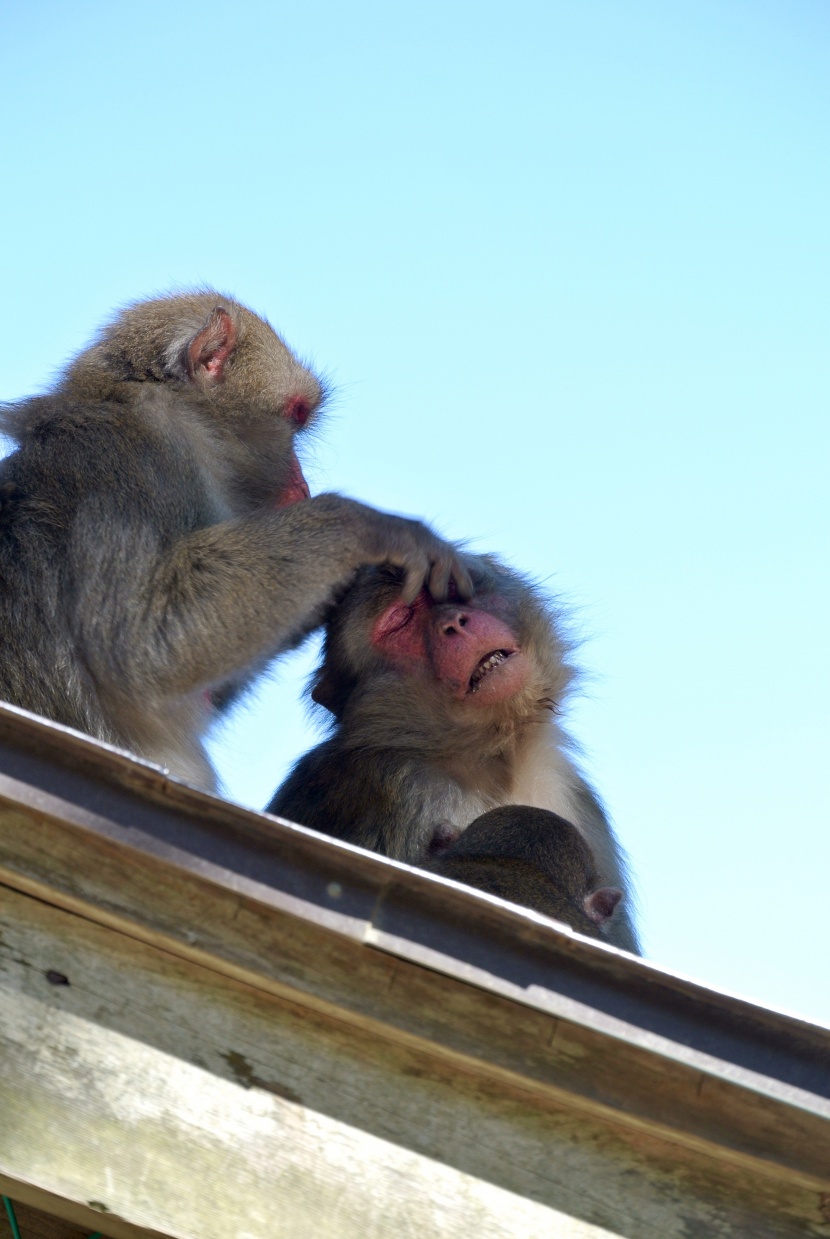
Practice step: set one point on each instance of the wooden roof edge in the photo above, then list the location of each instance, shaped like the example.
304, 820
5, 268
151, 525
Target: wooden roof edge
410, 914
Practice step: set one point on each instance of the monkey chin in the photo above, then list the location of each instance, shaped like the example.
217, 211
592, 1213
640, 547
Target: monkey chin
497, 677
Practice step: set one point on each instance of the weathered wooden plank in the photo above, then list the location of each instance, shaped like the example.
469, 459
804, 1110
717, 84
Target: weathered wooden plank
188, 1103
448, 1011
226, 926
403, 911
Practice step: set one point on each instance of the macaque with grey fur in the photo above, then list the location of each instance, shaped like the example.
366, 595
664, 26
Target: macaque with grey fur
158, 545
442, 711
534, 858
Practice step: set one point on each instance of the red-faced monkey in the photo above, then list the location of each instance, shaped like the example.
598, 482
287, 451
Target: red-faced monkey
158, 545
534, 858
443, 711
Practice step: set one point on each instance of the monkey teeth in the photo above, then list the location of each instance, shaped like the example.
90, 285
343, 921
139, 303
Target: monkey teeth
487, 664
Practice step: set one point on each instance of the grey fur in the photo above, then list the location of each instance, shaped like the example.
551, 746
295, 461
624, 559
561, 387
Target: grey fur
533, 858
143, 564
406, 764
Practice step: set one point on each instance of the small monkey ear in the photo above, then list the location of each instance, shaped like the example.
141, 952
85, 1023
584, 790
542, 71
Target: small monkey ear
209, 350
601, 904
325, 692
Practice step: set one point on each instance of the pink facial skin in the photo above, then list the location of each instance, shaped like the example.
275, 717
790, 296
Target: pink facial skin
296, 410
296, 487
470, 651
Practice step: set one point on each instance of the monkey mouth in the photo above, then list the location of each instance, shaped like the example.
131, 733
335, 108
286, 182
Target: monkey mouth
487, 664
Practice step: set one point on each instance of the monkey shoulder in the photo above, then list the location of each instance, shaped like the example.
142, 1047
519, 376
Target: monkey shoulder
107, 461
357, 795
309, 793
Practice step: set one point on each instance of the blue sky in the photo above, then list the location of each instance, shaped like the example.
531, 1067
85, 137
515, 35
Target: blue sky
568, 267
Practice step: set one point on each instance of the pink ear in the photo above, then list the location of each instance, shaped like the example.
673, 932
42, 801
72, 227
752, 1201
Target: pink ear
601, 905
210, 349
444, 836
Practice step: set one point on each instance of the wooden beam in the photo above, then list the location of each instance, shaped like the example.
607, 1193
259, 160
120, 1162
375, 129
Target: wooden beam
168, 1098
268, 1000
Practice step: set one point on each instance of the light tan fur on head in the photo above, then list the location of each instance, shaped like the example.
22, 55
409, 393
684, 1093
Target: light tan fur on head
147, 341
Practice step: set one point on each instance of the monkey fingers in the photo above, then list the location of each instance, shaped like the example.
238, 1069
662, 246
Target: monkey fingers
436, 574
428, 563
417, 571
446, 569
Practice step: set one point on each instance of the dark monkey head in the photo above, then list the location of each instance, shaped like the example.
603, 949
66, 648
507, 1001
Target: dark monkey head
247, 391
442, 676
534, 858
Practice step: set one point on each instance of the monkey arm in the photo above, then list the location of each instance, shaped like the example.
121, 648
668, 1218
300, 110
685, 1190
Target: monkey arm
170, 615
157, 538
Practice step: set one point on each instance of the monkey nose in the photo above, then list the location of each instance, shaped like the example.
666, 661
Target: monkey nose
453, 625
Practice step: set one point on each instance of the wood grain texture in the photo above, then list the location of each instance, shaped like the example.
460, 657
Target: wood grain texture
146, 1075
213, 1022
235, 931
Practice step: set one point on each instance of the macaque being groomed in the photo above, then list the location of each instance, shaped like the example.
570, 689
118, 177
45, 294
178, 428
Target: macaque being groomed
534, 858
158, 545
443, 711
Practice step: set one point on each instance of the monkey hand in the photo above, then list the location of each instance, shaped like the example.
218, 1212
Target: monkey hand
426, 560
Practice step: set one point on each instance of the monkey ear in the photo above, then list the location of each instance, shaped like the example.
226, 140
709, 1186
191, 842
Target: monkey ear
210, 348
601, 904
327, 692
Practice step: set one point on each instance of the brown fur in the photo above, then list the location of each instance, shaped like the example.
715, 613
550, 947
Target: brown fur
408, 764
144, 563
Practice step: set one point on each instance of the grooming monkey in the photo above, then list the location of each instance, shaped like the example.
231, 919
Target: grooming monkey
442, 711
534, 858
158, 545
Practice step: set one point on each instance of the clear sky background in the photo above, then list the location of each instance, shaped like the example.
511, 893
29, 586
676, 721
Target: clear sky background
568, 266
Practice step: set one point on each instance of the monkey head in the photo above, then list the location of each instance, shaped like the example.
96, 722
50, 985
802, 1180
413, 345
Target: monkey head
229, 366
438, 673
534, 858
